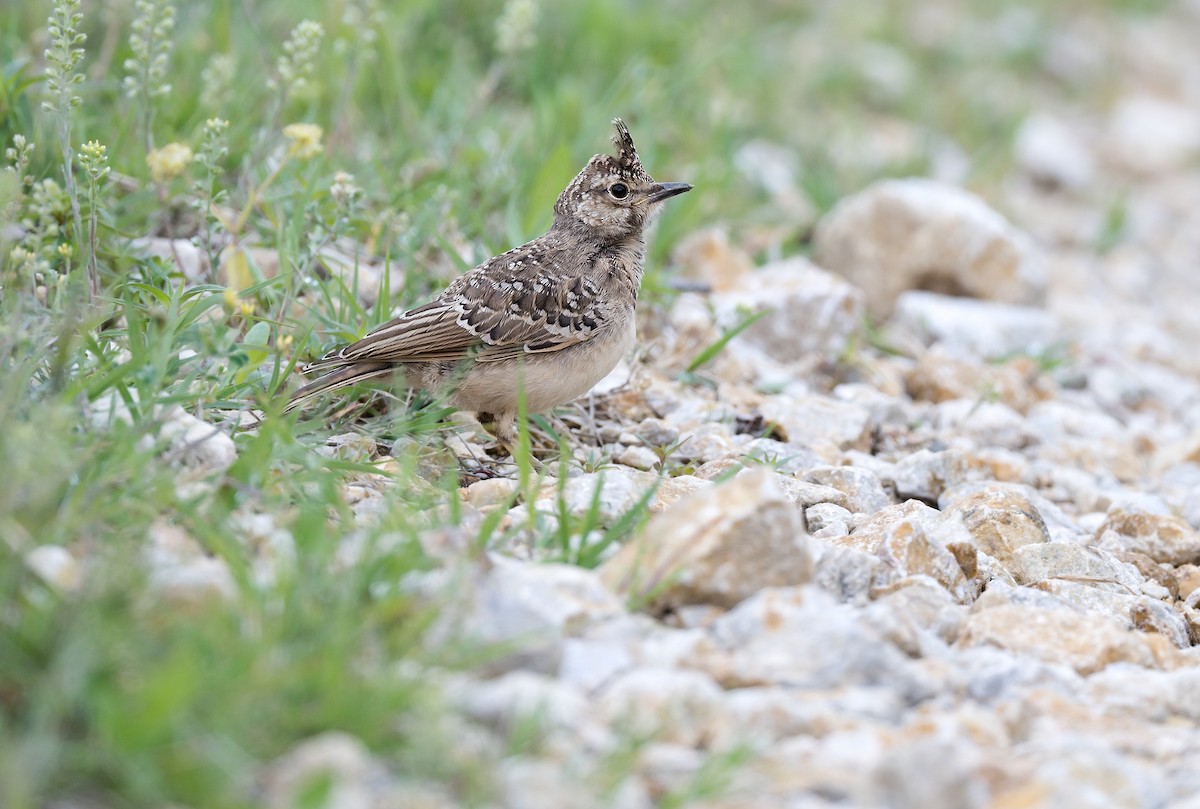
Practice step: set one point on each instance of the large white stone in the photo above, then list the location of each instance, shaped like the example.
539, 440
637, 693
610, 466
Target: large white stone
899, 235
715, 547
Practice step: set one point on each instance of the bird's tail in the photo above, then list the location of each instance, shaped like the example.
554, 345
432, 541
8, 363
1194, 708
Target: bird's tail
340, 378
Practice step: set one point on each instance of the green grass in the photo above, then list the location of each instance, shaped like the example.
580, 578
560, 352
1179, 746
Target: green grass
459, 147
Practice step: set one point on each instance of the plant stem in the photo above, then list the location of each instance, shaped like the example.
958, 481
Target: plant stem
64, 142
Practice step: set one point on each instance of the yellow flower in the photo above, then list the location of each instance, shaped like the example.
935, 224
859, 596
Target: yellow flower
64, 250
230, 297
283, 342
246, 307
306, 140
168, 162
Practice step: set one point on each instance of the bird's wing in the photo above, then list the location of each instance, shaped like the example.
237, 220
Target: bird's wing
524, 301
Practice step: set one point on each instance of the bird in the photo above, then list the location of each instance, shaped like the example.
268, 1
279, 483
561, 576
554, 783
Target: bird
546, 320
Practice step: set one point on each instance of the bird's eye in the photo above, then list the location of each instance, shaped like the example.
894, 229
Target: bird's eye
619, 190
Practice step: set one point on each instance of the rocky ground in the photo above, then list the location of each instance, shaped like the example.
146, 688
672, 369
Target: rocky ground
950, 562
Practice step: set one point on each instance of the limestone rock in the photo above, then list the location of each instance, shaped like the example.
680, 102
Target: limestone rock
1032, 563
1000, 521
1162, 537
799, 636
920, 475
907, 551
816, 420
805, 494
337, 763
503, 703
672, 490
790, 292
180, 571
490, 492
869, 535
915, 612
716, 547
608, 494
1150, 135
56, 566
899, 235
1050, 151
672, 705
846, 572
827, 519
987, 424
1086, 643
524, 609
196, 444
977, 328
862, 488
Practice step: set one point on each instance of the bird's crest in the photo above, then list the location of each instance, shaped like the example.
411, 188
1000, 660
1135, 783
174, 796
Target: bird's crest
627, 157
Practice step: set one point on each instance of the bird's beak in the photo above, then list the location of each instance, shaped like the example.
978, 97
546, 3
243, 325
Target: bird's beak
661, 191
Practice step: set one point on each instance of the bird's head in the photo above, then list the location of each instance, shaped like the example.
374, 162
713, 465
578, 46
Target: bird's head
613, 197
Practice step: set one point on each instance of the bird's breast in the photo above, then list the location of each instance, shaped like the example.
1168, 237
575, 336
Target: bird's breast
548, 379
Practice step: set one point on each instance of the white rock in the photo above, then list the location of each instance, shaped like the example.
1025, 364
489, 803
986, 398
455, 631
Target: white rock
1049, 560
1050, 151
194, 583
637, 457
984, 329
862, 487
353, 447
988, 424
528, 608
703, 443
110, 409
1156, 696
56, 566
827, 519
869, 534
490, 492
790, 292
803, 493
668, 768
607, 495
1085, 642
906, 550
180, 570
918, 615
362, 274
588, 663
908, 234
715, 547
678, 706
196, 444
539, 783
1000, 521
522, 696
1151, 135
334, 758
818, 420
1162, 537
1016, 498
762, 715
920, 475
846, 572
801, 637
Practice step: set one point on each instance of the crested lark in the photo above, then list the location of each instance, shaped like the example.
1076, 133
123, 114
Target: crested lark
551, 317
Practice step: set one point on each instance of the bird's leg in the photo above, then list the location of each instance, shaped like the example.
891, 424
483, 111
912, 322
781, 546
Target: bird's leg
505, 429
506, 433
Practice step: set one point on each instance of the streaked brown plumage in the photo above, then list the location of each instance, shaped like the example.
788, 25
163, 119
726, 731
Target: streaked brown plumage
553, 316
